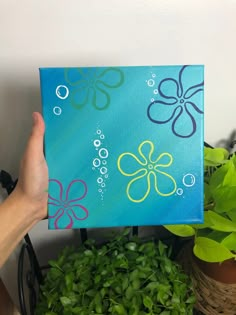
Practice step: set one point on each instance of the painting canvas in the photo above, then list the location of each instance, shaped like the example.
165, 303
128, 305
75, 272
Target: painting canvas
124, 145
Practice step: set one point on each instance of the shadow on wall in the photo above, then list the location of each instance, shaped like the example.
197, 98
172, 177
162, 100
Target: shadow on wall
18, 101
228, 143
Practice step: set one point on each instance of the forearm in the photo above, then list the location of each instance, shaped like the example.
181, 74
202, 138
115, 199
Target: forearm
27, 204
17, 218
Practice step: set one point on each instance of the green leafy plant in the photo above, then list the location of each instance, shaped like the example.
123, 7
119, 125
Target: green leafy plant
124, 277
215, 240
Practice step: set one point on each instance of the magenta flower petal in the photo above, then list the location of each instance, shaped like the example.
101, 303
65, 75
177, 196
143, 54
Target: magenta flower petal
58, 188
81, 213
58, 218
76, 187
70, 225
58, 212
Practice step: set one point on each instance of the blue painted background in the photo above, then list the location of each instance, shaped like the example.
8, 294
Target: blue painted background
117, 109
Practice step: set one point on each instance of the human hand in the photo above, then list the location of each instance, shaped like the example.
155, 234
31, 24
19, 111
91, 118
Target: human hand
32, 184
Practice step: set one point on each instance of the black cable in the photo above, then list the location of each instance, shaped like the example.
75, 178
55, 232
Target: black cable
135, 230
7, 181
20, 281
83, 235
30, 281
35, 260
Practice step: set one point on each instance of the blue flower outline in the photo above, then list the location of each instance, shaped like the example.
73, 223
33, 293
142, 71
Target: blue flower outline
182, 98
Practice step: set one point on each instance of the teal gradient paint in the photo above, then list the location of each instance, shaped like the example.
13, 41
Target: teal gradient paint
124, 145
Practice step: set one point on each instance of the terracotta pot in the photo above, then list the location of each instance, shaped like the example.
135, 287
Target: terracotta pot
224, 272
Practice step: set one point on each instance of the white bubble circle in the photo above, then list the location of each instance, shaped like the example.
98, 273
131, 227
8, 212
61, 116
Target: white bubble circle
103, 170
153, 75
155, 91
100, 190
99, 131
189, 180
103, 153
179, 191
99, 180
57, 110
106, 176
96, 162
62, 92
150, 82
102, 137
97, 143
104, 162
103, 184
152, 100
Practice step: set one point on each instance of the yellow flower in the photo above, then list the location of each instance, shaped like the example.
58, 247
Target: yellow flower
147, 167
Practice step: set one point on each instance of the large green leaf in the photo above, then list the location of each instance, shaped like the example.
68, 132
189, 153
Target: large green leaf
219, 223
217, 236
215, 157
211, 251
225, 198
207, 194
230, 176
232, 215
230, 241
183, 230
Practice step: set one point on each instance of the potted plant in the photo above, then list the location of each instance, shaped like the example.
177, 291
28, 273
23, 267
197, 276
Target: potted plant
214, 241
124, 276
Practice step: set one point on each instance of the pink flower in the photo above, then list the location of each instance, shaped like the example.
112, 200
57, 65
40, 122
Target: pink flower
65, 210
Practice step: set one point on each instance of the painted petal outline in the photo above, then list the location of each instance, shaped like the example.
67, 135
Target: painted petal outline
169, 82
166, 164
82, 77
95, 98
193, 90
194, 125
60, 190
60, 212
84, 101
133, 156
173, 112
73, 211
156, 184
137, 179
102, 79
69, 187
188, 74
140, 148
193, 105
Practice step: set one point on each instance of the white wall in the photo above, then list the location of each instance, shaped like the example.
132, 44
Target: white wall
36, 33
112, 32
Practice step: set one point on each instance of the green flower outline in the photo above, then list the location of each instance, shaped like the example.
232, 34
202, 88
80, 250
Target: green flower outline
148, 167
93, 83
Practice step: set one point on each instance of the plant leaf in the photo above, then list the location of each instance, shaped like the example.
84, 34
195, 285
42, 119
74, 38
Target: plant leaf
147, 301
65, 300
225, 198
183, 230
215, 156
230, 241
219, 223
211, 251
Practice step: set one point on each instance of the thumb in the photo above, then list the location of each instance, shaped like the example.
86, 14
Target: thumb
36, 139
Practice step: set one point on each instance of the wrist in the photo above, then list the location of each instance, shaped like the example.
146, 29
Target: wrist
34, 210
